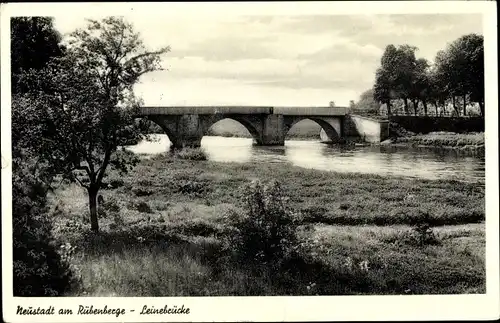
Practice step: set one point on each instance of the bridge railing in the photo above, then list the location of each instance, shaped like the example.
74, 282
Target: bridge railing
205, 110
310, 111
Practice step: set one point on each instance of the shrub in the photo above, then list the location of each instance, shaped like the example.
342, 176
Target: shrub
192, 187
141, 191
105, 207
424, 234
116, 182
38, 269
191, 154
143, 207
266, 232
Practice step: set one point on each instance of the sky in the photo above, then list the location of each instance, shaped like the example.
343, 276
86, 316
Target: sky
296, 60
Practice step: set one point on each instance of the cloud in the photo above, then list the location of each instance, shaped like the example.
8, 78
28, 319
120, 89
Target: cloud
279, 59
345, 52
292, 74
227, 48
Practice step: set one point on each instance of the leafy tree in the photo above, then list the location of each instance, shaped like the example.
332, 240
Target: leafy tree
405, 73
470, 48
385, 78
435, 94
420, 87
395, 77
460, 68
34, 41
38, 269
85, 106
382, 88
366, 103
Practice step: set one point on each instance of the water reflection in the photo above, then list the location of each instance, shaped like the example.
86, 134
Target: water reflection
383, 160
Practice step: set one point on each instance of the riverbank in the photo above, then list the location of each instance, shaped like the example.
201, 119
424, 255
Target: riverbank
473, 142
163, 226
294, 136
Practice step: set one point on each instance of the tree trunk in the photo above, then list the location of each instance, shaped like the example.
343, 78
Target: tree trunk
465, 105
436, 106
388, 104
406, 106
94, 225
454, 104
424, 103
415, 106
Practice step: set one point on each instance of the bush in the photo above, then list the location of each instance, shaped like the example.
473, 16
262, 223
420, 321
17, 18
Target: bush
116, 182
108, 206
266, 232
142, 191
38, 268
143, 207
423, 233
192, 187
191, 154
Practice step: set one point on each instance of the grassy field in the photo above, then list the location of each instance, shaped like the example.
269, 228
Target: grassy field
164, 230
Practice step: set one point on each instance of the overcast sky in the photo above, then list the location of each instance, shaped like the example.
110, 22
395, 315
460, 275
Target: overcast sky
279, 60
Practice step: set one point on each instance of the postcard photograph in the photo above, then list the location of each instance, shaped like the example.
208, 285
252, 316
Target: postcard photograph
174, 162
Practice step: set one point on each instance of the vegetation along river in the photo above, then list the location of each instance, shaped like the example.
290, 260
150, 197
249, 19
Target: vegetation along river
423, 163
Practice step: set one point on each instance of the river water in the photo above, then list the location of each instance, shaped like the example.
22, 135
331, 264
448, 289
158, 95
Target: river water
393, 161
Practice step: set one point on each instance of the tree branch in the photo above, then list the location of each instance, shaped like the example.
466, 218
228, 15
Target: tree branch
157, 52
80, 182
104, 165
85, 168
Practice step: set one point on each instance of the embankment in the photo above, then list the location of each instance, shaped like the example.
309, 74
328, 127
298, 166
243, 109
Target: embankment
427, 124
465, 134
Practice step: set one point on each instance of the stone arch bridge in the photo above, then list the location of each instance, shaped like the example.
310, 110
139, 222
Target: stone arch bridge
186, 126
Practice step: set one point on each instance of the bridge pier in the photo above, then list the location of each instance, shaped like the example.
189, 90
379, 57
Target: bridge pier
273, 131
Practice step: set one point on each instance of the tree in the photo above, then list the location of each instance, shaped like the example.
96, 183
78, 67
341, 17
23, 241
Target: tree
366, 103
472, 47
436, 92
405, 63
419, 86
460, 68
382, 89
38, 269
396, 75
34, 41
385, 77
85, 106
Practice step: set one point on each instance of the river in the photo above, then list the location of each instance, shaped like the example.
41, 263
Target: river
393, 161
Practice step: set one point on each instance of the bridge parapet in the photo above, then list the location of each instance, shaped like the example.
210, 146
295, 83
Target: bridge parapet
205, 110
310, 111
211, 110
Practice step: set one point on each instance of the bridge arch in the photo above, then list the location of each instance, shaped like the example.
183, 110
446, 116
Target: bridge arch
167, 127
328, 125
247, 123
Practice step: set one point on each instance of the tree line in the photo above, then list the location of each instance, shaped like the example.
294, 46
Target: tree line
415, 85
73, 112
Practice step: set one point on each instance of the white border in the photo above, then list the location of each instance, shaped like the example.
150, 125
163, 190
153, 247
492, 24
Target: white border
327, 308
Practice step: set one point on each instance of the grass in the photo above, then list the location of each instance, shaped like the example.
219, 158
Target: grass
164, 227
462, 141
